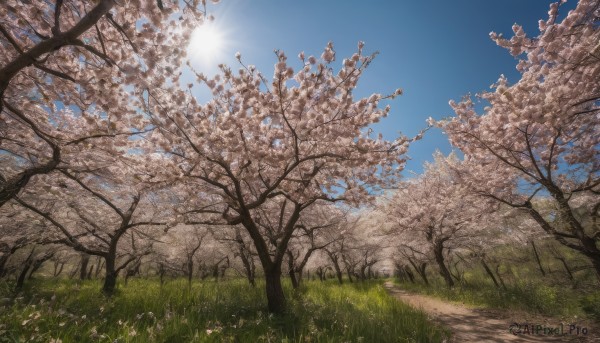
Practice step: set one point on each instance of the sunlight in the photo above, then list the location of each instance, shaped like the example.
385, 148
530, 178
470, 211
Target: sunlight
207, 44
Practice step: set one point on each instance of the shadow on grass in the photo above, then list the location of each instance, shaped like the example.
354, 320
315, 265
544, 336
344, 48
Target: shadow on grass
229, 311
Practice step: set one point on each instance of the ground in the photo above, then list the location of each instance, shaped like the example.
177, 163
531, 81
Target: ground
469, 324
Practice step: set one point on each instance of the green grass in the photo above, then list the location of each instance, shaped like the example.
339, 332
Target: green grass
532, 296
526, 290
230, 311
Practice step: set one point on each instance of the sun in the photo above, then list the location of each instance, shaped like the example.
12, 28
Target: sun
207, 44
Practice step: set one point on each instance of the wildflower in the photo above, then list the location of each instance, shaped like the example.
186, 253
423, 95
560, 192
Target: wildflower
209, 331
93, 332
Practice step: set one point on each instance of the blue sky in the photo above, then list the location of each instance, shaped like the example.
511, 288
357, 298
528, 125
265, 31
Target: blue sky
435, 50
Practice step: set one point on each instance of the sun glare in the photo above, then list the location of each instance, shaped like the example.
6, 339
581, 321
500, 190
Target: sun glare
207, 44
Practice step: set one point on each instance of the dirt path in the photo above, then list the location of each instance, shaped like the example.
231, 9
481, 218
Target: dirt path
479, 325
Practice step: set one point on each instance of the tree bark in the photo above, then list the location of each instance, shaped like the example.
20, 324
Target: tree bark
349, 273
248, 263
3, 260
291, 270
90, 271
489, 272
438, 252
408, 273
58, 268
500, 277
37, 263
420, 270
190, 271
23, 274
275, 297
337, 268
567, 269
537, 258
99, 266
110, 279
588, 245
85, 260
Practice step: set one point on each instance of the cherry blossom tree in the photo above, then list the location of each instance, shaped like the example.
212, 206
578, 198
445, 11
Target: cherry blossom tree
317, 228
102, 212
281, 145
539, 137
17, 232
356, 244
438, 211
181, 250
83, 57
240, 245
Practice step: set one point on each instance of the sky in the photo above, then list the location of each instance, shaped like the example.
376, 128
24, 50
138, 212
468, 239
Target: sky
434, 50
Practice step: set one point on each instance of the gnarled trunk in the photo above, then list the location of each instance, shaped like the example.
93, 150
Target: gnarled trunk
438, 252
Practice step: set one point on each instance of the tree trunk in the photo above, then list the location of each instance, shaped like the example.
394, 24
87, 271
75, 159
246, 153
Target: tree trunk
588, 245
275, 296
110, 279
190, 271
59, 269
500, 277
420, 270
537, 258
299, 274
248, 266
161, 273
349, 273
23, 274
291, 270
489, 272
90, 271
438, 252
338, 270
567, 269
37, 263
74, 271
99, 266
295, 283
408, 273
85, 259
26, 265
3, 260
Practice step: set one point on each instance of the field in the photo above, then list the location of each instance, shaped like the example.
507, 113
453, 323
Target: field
227, 311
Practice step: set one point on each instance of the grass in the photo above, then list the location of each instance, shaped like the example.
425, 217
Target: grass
230, 311
526, 290
531, 295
